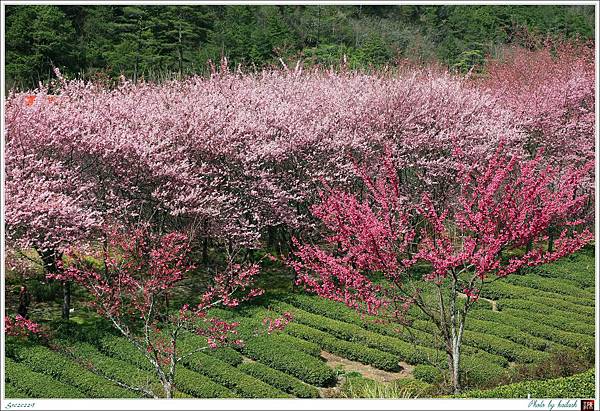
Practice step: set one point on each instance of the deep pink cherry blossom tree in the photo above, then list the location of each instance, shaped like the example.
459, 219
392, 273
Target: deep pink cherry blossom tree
501, 207
138, 271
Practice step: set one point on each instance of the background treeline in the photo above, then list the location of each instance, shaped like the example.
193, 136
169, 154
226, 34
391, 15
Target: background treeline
155, 42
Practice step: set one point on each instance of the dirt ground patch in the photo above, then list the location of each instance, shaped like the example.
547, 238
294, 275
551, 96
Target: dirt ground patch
366, 370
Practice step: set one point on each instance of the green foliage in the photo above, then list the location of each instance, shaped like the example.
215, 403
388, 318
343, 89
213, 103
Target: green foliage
279, 380
112, 368
476, 372
36, 385
43, 360
231, 377
578, 341
478, 367
396, 340
298, 344
187, 381
161, 41
561, 322
189, 342
577, 386
501, 346
200, 386
10, 391
563, 305
253, 327
502, 289
43, 290
331, 55
333, 330
553, 285
427, 373
578, 268
298, 364
38, 37
508, 332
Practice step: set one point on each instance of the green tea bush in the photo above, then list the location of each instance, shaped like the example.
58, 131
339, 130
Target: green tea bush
10, 391
578, 268
560, 322
578, 341
508, 332
544, 308
190, 382
279, 380
227, 354
301, 365
298, 344
253, 327
395, 339
553, 285
346, 349
303, 324
36, 385
231, 377
476, 372
428, 373
200, 386
501, 346
577, 386
468, 349
502, 289
43, 360
112, 368
569, 307
120, 348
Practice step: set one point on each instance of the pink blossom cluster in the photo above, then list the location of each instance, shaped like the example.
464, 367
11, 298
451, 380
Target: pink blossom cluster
506, 205
278, 324
229, 156
138, 272
21, 327
550, 93
136, 267
220, 332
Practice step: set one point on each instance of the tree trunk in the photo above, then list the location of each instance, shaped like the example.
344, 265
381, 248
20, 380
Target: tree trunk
550, 239
179, 51
454, 360
50, 259
270, 237
66, 306
529, 246
454, 339
168, 388
205, 251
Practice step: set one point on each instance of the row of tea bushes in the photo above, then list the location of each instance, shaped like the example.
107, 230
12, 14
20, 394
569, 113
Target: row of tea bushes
576, 386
